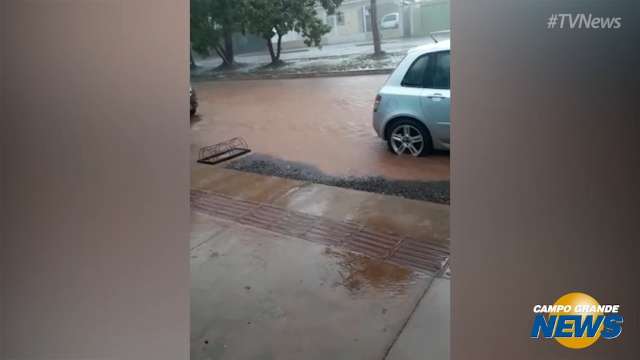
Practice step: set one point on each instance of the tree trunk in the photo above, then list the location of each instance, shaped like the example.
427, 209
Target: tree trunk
279, 47
192, 62
220, 51
228, 47
375, 33
270, 47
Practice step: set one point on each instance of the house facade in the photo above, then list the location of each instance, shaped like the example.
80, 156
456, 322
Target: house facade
351, 23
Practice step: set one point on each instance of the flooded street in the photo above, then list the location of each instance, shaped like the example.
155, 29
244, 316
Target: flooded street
323, 122
331, 265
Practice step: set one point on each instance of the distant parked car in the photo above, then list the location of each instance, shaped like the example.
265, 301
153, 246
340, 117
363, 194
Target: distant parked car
390, 21
411, 111
193, 100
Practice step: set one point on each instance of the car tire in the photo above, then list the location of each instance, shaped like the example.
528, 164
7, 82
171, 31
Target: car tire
415, 129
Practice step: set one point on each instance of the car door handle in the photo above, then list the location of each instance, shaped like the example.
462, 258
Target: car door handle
435, 97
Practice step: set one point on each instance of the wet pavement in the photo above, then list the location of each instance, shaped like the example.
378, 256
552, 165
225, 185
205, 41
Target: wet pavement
435, 191
420, 339
323, 122
391, 214
258, 294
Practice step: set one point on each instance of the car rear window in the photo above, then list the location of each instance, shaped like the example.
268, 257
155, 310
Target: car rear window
415, 75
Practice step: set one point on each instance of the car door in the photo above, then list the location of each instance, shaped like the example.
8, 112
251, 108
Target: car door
436, 97
407, 100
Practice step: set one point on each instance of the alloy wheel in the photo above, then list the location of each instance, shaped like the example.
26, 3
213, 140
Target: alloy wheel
407, 139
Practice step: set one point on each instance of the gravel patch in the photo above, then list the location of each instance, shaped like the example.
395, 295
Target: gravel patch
435, 191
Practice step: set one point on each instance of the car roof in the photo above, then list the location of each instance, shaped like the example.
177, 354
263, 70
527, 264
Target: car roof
433, 47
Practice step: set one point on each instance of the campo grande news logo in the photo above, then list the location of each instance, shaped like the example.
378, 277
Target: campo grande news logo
576, 321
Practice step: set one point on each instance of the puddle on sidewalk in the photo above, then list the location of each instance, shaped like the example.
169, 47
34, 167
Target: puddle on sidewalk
361, 274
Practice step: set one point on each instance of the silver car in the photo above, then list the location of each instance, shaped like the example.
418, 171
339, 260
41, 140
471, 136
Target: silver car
411, 111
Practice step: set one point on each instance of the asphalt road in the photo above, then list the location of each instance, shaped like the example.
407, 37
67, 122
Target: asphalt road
322, 122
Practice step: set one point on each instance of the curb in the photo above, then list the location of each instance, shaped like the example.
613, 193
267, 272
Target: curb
267, 76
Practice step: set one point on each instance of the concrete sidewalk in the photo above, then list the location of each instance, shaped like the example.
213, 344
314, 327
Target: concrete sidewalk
332, 59
416, 219
256, 294
426, 335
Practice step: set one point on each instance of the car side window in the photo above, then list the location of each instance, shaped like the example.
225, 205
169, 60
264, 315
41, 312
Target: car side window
442, 71
390, 17
415, 75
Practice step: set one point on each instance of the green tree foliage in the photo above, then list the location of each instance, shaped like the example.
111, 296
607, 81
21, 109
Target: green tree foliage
274, 18
330, 5
213, 23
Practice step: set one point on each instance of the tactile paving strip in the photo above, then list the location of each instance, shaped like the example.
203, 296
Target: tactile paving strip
420, 255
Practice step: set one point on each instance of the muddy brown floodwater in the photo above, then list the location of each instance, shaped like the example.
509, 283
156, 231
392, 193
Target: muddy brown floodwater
361, 273
324, 122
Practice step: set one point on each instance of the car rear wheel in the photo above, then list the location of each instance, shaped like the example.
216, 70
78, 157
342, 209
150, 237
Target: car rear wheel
409, 137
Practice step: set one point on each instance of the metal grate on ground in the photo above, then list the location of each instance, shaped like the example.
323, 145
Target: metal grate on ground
420, 255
